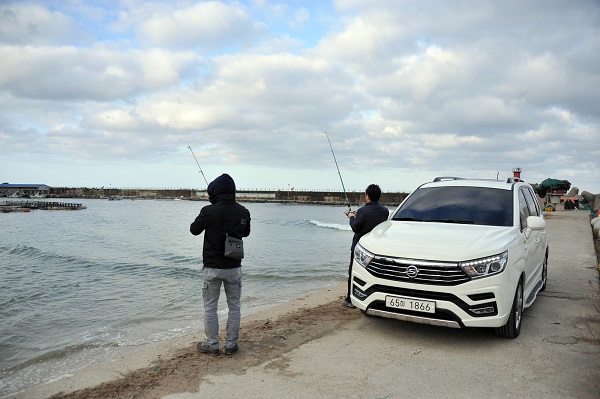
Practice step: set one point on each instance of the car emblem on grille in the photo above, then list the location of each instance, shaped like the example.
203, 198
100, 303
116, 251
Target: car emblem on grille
412, 271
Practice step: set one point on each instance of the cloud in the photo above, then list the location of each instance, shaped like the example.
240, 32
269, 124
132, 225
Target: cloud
204, 25
32, 24
103, 74
404, 89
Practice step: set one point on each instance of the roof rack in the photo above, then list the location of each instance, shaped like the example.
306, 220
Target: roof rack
440, 178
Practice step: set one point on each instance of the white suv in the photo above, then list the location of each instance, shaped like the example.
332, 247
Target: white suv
456, 253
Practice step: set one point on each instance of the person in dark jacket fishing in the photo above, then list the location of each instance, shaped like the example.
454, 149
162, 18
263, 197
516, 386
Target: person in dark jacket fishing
362, 222
224, 215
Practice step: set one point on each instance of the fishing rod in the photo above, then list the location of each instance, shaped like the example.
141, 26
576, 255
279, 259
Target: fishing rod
338, 169
194, 158
198, 166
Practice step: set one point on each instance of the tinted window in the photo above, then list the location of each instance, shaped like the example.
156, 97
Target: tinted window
523, 210
472, 205
532, 204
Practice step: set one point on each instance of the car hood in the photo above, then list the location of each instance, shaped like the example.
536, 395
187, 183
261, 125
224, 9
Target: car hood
437, 241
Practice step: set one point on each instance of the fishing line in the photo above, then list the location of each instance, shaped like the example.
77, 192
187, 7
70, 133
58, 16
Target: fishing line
338, 169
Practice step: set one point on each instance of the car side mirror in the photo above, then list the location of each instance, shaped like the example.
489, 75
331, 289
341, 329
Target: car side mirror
534, 223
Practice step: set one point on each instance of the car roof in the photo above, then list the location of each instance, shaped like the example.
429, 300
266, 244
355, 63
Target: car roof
507, 184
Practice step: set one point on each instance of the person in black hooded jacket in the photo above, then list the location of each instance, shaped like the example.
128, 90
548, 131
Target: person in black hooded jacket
224, 215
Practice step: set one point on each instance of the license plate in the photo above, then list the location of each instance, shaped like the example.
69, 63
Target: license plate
399, 302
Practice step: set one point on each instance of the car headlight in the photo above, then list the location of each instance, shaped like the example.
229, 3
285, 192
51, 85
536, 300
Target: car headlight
362, 256
484, 267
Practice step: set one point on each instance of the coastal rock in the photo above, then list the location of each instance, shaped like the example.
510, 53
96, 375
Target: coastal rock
573, 192
592, 199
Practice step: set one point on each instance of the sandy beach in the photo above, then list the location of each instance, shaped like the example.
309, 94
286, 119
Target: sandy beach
177, 367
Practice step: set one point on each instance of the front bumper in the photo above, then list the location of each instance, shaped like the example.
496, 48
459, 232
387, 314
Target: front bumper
484, 302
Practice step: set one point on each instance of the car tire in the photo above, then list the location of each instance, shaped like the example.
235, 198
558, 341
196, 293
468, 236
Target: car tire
545, 273
512, 328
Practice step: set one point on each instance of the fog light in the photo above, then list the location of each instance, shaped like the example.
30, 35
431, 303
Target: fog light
486, 310
358, 293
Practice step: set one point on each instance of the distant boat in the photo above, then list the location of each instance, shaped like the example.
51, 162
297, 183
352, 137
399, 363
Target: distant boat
115, 198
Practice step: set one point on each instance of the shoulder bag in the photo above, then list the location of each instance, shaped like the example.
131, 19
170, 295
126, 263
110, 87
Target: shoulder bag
234, 247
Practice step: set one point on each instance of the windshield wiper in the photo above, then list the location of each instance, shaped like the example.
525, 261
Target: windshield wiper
451, 221
410, 219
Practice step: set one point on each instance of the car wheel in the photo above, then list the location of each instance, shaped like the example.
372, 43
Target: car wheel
545, 273
512, 328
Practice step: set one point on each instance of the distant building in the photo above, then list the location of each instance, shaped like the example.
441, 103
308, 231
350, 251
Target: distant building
24, 190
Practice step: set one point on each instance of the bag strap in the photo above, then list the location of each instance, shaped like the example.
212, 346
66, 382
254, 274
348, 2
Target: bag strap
221, 213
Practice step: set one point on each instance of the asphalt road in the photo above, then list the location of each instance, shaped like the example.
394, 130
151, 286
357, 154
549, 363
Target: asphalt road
557, 354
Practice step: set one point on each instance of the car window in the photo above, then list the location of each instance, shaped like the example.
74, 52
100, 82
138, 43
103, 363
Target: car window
532, 204
523, 210
469, 205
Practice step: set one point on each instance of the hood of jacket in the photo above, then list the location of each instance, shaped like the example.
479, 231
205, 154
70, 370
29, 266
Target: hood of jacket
222, 188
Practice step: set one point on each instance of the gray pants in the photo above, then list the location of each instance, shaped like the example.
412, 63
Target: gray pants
232, 281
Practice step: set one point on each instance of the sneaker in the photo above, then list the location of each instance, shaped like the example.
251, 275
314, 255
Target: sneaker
347, 304
231, 351
204, 348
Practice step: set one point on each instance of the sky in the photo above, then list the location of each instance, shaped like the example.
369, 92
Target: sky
125, 93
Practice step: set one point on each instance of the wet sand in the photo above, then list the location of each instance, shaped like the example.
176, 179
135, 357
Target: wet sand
177, 367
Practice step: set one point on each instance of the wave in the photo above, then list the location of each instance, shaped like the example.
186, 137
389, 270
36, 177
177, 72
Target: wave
60, 353
335, 226
22, 250
180, 259
35, 254
169, 264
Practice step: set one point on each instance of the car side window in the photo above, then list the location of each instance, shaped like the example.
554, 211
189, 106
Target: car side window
523, 210
532, 204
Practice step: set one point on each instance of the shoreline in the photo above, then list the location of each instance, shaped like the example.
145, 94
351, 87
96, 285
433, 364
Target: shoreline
269, 337
154, 280
175, 366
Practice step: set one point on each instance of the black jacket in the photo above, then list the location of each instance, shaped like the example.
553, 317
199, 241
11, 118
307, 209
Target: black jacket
367, 217
224, 215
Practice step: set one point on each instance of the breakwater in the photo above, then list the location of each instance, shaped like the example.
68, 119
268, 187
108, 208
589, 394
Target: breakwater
298, 196
16, 205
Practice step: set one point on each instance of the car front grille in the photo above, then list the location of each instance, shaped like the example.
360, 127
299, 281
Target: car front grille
417, 271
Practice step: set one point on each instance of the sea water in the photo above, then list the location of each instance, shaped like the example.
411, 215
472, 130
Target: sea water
86, 286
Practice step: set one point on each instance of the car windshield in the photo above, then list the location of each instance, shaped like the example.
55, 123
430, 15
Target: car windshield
465, 205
